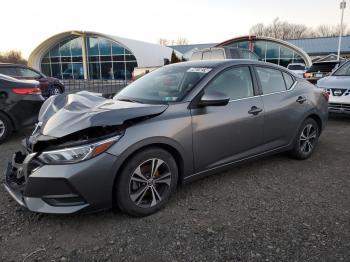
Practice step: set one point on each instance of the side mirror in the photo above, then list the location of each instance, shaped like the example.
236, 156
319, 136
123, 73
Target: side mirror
213, 98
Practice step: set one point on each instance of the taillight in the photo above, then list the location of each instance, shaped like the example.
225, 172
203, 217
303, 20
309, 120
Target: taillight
325, 95
27, 91
307, 75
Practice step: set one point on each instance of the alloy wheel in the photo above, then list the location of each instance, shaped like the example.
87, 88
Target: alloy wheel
308, 138
149, 182
55, 91
2, 128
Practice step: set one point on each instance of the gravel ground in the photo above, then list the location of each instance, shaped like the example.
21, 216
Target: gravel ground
275, 209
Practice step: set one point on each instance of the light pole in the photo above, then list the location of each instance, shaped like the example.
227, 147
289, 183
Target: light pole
342, 7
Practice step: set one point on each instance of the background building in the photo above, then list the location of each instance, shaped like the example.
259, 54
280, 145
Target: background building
279, 51
91, 55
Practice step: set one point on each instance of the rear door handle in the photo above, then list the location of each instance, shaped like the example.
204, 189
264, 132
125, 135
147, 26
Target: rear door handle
255, 110
301, 99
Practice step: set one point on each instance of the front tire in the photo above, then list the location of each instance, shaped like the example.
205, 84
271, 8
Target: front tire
306, 140
146, 182
5, 128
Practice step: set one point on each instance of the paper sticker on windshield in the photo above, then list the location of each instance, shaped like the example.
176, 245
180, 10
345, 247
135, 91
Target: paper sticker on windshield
170, 98
203, 70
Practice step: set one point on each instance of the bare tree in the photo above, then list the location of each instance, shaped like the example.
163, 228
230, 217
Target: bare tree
182, 41
257, 29
12, 56
178, 41
285, 30
163, 41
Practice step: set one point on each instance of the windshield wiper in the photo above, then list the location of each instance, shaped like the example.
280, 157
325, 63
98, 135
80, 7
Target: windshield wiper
128, 100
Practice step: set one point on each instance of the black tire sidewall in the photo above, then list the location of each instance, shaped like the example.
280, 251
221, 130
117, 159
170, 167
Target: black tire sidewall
8, 127
297, 150
122, 186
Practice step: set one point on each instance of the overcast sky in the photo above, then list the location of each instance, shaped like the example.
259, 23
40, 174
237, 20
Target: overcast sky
25, 23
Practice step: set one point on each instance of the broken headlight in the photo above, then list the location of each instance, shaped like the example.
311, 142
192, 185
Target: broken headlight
77, 154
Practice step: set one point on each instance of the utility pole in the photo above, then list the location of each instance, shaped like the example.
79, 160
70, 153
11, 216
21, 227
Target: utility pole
342, 7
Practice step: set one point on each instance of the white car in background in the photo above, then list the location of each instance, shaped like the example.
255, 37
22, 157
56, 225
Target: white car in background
297, 68
337, 86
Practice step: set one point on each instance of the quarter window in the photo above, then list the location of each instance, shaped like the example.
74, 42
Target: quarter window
288, 79
271, 80
235, 83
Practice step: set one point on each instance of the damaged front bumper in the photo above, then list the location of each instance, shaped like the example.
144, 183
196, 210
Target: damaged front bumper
61, 189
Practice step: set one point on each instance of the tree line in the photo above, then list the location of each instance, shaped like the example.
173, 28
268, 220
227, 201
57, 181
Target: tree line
285, 30
12, 56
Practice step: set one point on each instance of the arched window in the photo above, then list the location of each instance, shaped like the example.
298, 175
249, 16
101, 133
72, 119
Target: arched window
105, 59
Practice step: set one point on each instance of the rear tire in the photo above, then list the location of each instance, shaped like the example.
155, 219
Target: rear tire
146, 182
55, 90
306, 140
6, 128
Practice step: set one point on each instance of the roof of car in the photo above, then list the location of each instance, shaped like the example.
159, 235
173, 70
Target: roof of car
11, 64
223, 62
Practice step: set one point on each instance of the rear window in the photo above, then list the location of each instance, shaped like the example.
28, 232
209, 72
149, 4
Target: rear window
196, 56
207, 55
296, 67
322, 67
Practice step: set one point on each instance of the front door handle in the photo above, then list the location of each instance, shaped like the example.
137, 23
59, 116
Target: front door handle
255, 110
301, 99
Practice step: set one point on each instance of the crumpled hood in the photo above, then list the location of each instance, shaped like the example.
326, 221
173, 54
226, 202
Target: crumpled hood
334, 82
68, 113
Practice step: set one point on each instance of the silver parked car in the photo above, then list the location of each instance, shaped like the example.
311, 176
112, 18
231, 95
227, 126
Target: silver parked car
338, 87
176, 124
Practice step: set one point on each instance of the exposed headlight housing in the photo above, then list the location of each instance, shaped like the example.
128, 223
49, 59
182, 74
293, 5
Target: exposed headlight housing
77, 154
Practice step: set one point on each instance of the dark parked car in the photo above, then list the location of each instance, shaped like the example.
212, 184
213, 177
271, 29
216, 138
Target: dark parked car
49, 86
226, 52
319, 70
177, 123
20, 102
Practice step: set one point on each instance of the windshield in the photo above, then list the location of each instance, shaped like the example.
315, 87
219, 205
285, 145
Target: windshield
343, 70
164, 85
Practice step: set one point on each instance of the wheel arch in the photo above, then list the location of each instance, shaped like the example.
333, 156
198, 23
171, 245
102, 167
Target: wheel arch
166, 145
318, 120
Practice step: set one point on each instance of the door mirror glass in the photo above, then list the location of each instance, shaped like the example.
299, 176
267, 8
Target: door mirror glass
214, 98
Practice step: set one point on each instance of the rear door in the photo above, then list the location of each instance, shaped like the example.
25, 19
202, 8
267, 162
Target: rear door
283, 106
223, 134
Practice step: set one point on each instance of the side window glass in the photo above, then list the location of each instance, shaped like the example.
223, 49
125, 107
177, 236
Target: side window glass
245, 54
196, 56
235, 83
271, 80
217, 54
207, 55
9, 71
288, 79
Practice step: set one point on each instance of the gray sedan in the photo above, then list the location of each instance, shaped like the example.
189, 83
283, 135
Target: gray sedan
338, 87
174, 125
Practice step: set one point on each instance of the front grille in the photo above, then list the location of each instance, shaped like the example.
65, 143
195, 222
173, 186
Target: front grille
339, 106
338, 92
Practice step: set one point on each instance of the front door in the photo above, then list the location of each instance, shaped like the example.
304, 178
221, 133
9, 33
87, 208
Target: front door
223, 134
